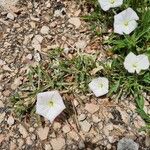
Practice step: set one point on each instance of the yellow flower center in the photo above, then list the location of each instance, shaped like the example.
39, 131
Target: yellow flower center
134, 65
126, 23
100, 85
112, 1
50, 103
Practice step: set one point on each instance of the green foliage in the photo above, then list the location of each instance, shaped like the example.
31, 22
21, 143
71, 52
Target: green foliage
125, 84
73, 74
58, 72
139, 40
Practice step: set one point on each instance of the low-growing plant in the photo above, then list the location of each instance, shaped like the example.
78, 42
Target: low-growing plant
58, 72
72, 75
122, 82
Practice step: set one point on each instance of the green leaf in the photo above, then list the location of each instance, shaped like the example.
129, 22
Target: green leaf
143, 115
140, 102
114, 87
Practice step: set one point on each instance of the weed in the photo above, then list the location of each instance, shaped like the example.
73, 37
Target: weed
58, 72
123, 83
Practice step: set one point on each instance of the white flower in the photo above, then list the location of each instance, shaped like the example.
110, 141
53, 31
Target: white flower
99, 86
125, 22
107, 4
49, 105
135, 63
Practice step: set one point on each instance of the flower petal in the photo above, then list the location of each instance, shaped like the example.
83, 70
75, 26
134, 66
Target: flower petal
94, 85
44, 109
105, 5
118, 29
117, 3
129, 61
132, 14
125, 21
143, 62
131, 27
54, 112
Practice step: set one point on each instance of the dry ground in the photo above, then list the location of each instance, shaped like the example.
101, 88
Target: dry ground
98, 124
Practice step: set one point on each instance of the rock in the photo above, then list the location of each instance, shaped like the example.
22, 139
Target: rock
33, 137
23, 131
147, 141
85, 126
2, 116
107, 129
29, 56
2, 138
6, 93
111, 139
75, 102
10, 16
53, 24
108, 146
75, 21
43, 133
81, 117
31, 129
74, 135
100, 125
125, 144
32, 24
91, 108
77, 13
17, 82
38, 38
53, 135
57, 13
1, 104
81, 44
13, 146
34, 18
66, 50
56, 125
81, 145
66, 128
45, 30
27, 39
58, 143
36, 42
9, 5
28, 141
37, 57
2, 62
95, 119
124, 115
48, 4
7, 68
48, 147
10, 120
139, 122
20, 143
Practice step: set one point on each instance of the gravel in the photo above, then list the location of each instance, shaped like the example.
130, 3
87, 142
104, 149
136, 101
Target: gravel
28, 32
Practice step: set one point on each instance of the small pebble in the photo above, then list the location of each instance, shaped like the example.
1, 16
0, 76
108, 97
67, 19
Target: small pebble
10, 16
10, 120
127, 144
